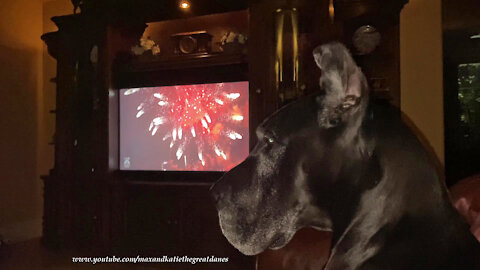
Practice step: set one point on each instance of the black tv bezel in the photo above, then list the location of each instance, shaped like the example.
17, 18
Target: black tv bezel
232, 72
120, 137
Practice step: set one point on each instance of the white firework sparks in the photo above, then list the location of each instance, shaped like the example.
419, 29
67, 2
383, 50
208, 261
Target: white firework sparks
237, 117
140, 113
234, 135
131, 91
233, 96
195, 110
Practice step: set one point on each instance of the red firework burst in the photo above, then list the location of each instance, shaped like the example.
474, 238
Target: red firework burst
206, 125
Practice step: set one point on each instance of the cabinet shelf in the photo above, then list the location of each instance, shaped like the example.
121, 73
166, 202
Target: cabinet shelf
144, 64
185, 69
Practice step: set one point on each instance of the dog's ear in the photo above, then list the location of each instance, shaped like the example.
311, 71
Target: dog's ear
345, 86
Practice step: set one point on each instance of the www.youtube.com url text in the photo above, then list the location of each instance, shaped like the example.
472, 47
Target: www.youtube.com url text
139, 259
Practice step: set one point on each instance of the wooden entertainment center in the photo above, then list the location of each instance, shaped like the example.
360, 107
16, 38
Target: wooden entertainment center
92, 206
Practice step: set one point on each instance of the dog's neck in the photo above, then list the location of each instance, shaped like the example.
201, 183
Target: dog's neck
355, 228
374, 239
389, 215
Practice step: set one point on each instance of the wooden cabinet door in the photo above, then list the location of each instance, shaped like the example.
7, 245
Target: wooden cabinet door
152, 220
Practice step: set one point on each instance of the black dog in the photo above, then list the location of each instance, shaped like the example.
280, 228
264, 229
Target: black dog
336, 162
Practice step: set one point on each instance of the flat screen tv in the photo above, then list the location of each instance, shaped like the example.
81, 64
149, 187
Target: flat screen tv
200, 127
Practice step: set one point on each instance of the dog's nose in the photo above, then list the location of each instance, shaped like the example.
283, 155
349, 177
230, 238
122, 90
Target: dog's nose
216, 192
215, 195
221, 189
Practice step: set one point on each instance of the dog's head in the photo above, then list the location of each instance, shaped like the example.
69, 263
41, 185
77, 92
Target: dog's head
304, 146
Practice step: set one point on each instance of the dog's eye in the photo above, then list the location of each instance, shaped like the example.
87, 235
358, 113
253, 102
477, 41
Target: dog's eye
268, 142
269, 138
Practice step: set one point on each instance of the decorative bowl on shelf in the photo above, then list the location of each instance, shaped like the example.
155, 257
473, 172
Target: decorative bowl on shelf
233, 47
146, 46
232, 42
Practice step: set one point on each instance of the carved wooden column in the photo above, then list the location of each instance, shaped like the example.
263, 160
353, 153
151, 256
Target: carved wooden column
73, 190
315, 26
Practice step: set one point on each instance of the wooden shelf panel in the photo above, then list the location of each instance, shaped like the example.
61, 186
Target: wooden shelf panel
182, 62
191, 69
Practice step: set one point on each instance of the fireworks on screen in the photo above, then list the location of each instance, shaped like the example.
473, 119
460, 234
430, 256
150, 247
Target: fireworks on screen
199, 123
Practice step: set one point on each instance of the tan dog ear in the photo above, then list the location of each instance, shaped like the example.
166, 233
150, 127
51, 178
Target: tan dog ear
342, 80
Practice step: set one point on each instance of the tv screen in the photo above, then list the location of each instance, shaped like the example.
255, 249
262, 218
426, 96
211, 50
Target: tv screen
201, 127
